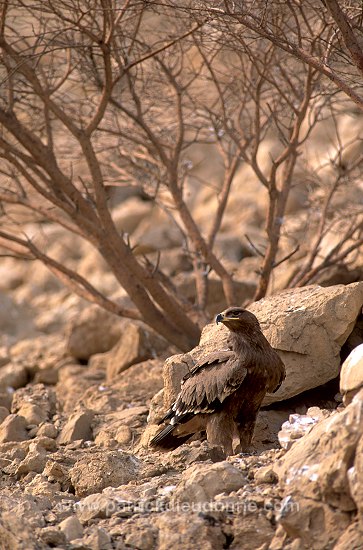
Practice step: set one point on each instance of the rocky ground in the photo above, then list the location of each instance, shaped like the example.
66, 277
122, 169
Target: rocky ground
79, 403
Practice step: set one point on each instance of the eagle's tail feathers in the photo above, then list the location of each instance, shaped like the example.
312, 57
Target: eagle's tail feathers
167, 440
158, 438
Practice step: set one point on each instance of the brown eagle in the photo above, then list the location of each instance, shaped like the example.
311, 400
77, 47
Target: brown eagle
224, 390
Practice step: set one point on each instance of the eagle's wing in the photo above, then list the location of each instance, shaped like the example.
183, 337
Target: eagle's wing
219, 356
277, 373
210, 381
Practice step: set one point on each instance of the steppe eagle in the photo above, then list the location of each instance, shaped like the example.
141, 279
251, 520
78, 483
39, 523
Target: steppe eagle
223, 391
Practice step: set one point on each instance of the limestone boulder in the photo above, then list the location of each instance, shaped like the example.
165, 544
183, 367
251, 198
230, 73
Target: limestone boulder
322, 478
317, 464
309, 524
308, 327
351, 375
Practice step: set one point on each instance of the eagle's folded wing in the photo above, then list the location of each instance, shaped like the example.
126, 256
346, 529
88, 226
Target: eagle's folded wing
209, 383
277, 374
214, 357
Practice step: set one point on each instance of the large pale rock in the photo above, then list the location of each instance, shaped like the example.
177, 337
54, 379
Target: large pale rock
93, 331
93, 473
202, 482
307, 326
351, 375
317, 464
310, 524
322, 478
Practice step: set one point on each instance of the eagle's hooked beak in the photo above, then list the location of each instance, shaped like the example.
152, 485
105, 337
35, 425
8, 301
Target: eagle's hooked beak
219, 318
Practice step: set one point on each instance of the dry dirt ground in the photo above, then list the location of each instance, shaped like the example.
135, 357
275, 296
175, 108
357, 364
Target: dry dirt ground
76, 470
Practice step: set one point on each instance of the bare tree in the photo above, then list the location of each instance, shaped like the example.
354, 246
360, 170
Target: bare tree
47, 94
325, 35
333, 224
129, 88
327, 41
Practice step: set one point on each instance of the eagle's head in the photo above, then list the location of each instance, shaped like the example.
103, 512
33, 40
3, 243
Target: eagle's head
237, 319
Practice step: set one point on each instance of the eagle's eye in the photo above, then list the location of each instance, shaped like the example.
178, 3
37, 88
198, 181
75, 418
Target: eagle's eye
235, 313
